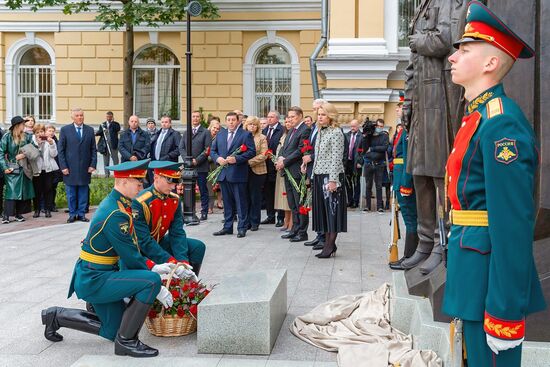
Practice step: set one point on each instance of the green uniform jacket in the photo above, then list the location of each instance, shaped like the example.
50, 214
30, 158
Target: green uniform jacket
111, 234
18, 186
157, 217
491, 274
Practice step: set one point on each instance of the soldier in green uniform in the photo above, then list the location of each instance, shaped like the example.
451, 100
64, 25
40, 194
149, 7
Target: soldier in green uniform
159, 221
98, 280
404, 191
492, 283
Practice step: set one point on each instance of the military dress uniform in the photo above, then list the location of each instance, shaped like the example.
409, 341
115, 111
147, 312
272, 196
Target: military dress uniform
159, 222
492, 283
98, 280
403, 185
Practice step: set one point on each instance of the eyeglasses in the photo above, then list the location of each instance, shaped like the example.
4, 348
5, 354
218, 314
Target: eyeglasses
172, 180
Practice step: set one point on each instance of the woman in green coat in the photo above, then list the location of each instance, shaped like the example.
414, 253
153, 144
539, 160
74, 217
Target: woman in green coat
18, 186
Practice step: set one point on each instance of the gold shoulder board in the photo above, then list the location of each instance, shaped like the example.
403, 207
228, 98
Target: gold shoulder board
145, 196
494, 108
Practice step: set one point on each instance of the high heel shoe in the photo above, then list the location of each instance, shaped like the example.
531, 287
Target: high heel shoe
326, 255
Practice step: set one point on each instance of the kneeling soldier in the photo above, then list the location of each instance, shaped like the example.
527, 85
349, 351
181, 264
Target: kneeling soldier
159, 220
492, 283
98, 280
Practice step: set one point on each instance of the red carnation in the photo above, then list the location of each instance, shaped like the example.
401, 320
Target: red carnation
243, 148
268, 152
306, 142
175, 293
152, 314
206, 292
191, 295
359, 150
180, 311
186, 287
193, 310
304, 210
284, 193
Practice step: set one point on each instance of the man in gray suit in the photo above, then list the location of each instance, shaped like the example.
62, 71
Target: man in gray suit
200, 146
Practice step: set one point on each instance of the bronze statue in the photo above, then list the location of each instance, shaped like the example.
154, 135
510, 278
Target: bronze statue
432, 111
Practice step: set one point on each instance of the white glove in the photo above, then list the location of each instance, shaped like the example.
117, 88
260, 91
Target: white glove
498, 345
186, 272
165, 297
162, 268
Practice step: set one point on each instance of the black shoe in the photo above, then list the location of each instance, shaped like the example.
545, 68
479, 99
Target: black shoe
5, 220
66, 211
254, 228
325, 254
204, 216
48, 214
56, 317
83, 219
299, 238
71, 219
36, 214
268, 221
313, 242
279, 223
19, 218
318, 246
396, 266
380, 210
222, 232
288, 235
126, 341
54, 210
241, 234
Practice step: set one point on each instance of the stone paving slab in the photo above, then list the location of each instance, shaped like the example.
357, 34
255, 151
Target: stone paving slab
36, 267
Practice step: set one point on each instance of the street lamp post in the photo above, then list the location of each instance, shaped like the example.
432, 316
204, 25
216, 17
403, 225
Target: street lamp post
189, 174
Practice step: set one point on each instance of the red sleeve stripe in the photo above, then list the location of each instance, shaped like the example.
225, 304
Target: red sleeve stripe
504, 329
149, 264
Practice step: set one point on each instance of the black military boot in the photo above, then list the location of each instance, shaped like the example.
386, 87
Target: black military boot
57, 317
196, 268
127, 342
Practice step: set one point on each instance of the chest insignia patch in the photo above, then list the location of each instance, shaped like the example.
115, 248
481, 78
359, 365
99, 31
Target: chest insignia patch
135, 214
124, 228
506, 151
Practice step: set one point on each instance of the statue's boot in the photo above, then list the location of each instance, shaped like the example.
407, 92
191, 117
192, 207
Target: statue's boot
126, 341
57, 317
435, 258
411, 243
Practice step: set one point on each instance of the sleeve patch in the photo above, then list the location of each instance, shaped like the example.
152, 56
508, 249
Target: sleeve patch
506, 151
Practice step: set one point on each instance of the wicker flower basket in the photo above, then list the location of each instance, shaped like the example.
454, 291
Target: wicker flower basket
168, 325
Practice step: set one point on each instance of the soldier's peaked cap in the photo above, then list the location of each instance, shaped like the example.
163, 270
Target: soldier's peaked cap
130, 169
166, 168
482, 25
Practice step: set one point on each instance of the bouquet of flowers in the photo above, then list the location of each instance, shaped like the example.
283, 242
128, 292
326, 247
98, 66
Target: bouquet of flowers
213, 176
181, 318
270, 155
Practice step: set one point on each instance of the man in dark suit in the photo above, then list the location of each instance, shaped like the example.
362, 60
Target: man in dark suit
273, 133
352, 164
77, 160
201, 141
164, 146
134, 143
1, 182
108, 140
234, 177
290, 157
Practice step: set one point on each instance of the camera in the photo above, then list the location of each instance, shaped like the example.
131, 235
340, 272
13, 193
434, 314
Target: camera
43, 137
368, 127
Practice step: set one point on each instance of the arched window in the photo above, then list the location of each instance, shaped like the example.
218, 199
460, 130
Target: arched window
35, 84
272, 80
156, 83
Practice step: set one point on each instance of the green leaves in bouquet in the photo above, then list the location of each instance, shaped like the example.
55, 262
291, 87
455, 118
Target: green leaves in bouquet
187, 295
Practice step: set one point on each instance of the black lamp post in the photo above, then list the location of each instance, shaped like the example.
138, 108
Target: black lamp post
189, 174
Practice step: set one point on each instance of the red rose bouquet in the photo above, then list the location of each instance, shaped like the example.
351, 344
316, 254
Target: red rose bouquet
213, 176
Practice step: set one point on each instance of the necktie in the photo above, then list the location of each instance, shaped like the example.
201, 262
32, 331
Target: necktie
351, 145
230, 139
269, 134
79, 131
292, 133
159, 144
194, 131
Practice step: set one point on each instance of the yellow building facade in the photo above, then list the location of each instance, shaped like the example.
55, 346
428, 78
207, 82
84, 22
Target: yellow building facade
255, 57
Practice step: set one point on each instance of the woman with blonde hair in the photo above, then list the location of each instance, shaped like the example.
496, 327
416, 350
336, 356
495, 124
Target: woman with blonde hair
18, 186
214, 192
281, 201
257, 172
329, 195
43, 183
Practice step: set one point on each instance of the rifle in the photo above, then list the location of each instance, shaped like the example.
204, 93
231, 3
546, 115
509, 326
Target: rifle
395, 233
457, 352
105, 136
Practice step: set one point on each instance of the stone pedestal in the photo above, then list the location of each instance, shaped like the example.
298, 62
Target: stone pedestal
244, 314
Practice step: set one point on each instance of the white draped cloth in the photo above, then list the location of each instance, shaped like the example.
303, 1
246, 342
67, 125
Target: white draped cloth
358, 328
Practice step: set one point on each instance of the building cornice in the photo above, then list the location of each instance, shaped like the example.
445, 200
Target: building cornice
360, 95
357, 68
233, 6
238, 25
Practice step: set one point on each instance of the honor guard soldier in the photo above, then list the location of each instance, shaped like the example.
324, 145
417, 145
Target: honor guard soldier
159, 220
98, 280
492, 283
403, 189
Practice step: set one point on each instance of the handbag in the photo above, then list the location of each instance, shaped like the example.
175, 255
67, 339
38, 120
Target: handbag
15, 167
